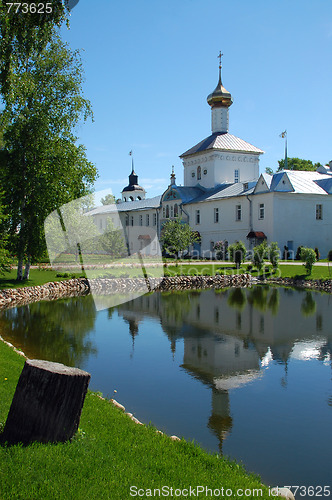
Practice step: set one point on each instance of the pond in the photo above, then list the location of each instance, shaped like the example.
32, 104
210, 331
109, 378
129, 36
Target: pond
243, 372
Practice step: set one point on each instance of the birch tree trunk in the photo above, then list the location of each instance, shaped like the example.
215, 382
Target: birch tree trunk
27, 268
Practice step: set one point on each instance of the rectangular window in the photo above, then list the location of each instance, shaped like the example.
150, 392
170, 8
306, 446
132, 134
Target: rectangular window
198, 217
141, 220
132, 220
236, 175
319, 212
154, 219
238, 212
216, 215
127, 220
211, 246
261, 213
147, 219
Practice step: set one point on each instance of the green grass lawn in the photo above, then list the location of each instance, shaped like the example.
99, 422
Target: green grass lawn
109, 454
37, 277
41, 276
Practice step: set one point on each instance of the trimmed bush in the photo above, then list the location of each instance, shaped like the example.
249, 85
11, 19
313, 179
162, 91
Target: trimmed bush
308, 256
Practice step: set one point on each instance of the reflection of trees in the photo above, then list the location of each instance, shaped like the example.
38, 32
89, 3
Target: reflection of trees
273, 301
257, 297
308, 306
176, 305
237, 299
55, 331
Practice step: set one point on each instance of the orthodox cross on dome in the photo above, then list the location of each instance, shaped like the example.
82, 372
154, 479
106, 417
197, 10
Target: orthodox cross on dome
219, 57
220, 65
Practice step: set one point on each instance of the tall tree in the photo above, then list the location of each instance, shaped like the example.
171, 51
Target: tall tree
42, 166
177, 236
298, 164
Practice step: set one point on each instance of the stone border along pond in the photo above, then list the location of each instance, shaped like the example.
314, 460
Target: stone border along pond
102, 286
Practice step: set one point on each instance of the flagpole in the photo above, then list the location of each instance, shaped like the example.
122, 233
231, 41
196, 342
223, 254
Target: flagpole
286, 161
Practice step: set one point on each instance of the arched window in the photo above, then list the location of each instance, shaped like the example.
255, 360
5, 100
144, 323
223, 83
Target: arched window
199, 173
124, 198
176, 210
164, 212
131, 198
167, 211
139, 198
172, 211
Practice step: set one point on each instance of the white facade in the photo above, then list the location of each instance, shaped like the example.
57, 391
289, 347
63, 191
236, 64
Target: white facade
224, 198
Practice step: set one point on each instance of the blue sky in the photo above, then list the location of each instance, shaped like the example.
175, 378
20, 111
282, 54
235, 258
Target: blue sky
149, 66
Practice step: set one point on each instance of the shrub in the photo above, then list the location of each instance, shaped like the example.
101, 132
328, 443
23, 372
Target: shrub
329, 256
308, 256
260, 253
274, 254
317, 253
237, 253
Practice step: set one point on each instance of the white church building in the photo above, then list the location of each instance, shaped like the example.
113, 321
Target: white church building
224, 198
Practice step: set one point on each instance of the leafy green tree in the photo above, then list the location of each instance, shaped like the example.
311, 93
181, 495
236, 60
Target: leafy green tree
308, 256
113, 242
269, 170
177, 236
274, 254
259, 255
237, 252
109, 199
42, 167
298, 164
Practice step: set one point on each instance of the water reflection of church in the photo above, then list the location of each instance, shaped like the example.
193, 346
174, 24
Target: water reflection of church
231, 336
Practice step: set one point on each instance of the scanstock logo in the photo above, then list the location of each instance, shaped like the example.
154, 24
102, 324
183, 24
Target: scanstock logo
71, 3
120, 261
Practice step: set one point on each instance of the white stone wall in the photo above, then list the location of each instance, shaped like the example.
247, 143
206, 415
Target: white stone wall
219, 120
220, 168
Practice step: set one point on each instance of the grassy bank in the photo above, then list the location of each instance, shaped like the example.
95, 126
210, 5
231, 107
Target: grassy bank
42, 276
109, 454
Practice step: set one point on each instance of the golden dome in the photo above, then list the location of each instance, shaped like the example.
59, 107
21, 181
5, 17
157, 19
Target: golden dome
220, 97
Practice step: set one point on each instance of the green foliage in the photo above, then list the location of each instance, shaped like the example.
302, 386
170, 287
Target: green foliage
42, 167
298, 164
109, 199
298, 253
259, 255
317, 253
269, 170
112, 241
308, 256
237, 252
274, 254
329, 256
177, 236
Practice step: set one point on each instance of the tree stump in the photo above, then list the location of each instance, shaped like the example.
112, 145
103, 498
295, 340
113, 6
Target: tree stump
47, 403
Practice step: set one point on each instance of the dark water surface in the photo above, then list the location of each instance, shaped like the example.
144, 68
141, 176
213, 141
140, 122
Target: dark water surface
245, 372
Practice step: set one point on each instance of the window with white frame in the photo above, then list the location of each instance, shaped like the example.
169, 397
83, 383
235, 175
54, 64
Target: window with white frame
127, 220
236, 175
172, 211
154, 219
132, 220
176, 210
199, 173
238, 212
198, 216
216, 215
319, 212
261, 211
141, 220
147, 219
164, 212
